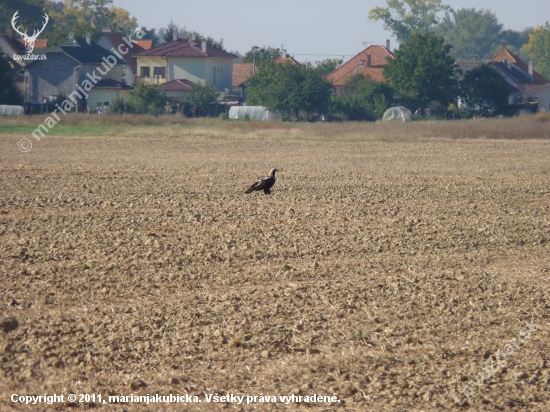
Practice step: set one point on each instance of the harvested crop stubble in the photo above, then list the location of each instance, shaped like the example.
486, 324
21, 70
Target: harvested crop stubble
386, 273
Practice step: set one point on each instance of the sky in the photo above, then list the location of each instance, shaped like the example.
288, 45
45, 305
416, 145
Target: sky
310, 30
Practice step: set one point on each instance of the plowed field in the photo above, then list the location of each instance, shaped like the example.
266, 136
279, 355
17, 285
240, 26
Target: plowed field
391, 274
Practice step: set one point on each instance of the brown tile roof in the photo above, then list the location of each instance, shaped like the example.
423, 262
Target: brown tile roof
378, 56
178, 85
144, 44
186, 48
241, 73
506, 54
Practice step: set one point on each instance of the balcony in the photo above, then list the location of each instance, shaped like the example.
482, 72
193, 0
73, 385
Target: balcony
151, 80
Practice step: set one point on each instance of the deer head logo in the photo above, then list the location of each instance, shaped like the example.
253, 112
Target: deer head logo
29, 40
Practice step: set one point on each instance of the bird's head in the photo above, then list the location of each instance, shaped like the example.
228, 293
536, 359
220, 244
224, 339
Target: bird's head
272, 172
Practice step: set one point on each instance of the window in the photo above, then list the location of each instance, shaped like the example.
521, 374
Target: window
160, 71
145, 72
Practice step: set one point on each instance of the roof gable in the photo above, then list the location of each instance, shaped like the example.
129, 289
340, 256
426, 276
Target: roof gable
506, 54
186, 48
359, 64
288, 59
116, 39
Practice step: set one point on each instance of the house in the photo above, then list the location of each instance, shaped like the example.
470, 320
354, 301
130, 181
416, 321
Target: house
70, 70
104, 92
530, 90
186, 59
13, 47
241, 73
370, 62
110, 40
176, 90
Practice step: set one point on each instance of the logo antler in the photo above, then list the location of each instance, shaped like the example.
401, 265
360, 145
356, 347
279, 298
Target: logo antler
29, 40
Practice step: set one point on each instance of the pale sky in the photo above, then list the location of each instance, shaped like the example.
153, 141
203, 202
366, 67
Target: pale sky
310, 30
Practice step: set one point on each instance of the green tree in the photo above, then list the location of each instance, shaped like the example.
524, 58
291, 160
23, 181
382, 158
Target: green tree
485, 91
471, 32
198, 100
403, 17
146, 100
327, 66
9, 93
85, 16
423, 72
515, 40
289, 88
539, 49
168, 33
362, 98
261, 55
31, 13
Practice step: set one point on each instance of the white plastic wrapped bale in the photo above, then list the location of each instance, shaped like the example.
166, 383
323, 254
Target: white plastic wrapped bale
397, 113
11, 110
254, 113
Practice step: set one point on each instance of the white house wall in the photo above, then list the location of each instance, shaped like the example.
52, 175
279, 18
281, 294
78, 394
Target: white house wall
223, 77
186, 68
104, 95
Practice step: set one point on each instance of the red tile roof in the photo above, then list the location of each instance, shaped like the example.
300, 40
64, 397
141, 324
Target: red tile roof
144, 44
186, 48
359, 65
178, 85
241, 73
506, 54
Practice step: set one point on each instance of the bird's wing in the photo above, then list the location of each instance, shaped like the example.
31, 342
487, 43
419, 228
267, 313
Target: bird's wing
259, 185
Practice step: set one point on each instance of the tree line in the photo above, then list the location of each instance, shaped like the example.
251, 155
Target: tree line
424, 74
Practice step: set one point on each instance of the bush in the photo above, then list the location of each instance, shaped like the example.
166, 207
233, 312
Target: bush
146, 100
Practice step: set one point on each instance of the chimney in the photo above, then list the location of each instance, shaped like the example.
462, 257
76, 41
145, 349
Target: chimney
369, 61
204, 46
531, 68
388, 44
284, 54
193, 37
175, 36
88, 38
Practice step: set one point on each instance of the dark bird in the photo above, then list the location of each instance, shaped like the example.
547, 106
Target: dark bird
264, 184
